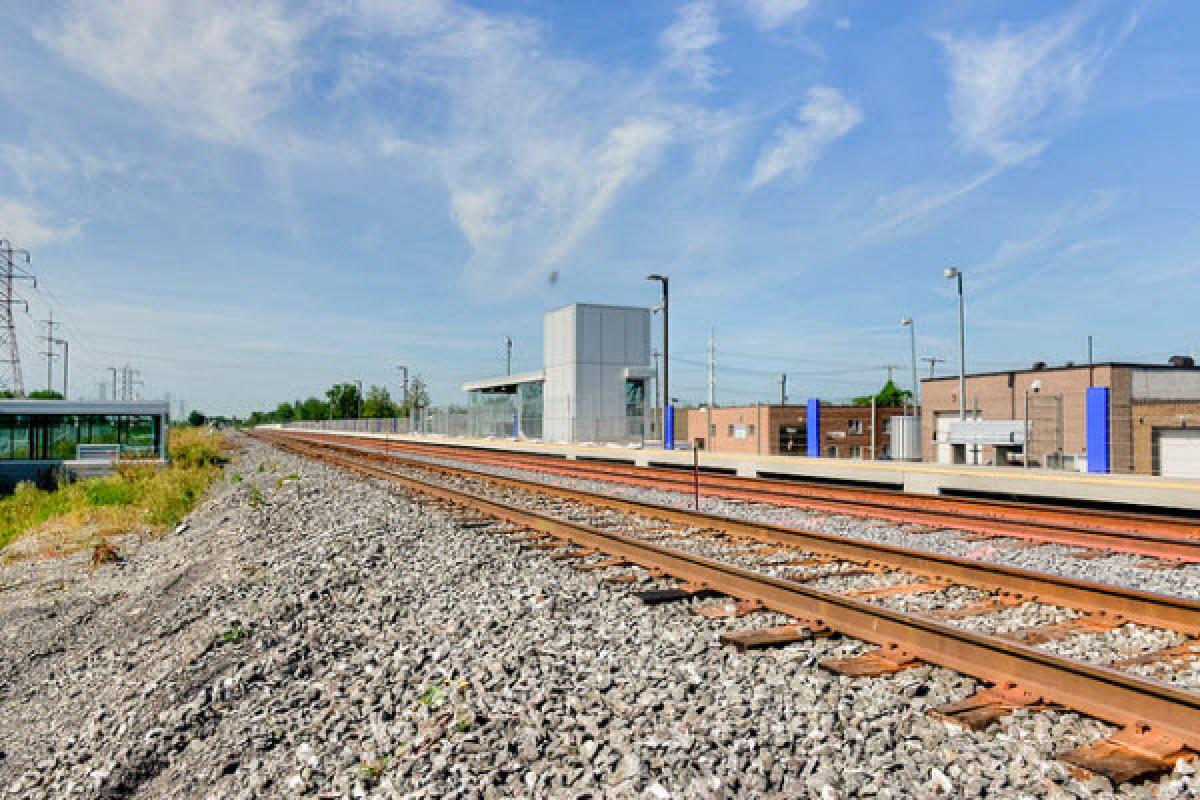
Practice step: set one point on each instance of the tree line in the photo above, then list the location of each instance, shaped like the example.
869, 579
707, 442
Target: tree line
345, 401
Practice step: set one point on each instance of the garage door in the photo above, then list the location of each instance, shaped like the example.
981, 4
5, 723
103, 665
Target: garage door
1179, 453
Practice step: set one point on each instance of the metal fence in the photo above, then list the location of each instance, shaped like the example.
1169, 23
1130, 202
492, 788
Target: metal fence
494, 422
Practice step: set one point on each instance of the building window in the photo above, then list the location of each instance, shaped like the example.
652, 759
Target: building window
887, 425
731, 429
712, 430
635, 406
750, 430
855, 451
854, 427
831, 451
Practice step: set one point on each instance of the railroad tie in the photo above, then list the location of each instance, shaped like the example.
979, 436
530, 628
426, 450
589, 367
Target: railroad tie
980, 710
1040, 634
1132, 754
873, 663
777, 636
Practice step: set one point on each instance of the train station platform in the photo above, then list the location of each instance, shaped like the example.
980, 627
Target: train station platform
1134, 491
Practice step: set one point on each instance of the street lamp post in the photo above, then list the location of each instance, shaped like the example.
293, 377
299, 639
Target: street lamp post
668, 409
954, 273
912, 340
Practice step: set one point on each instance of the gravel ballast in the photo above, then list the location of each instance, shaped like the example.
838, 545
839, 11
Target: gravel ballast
335, 638
1119, 569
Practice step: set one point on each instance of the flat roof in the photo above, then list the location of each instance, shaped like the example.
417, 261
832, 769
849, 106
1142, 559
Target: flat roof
1063, 368
600, 305
504, 380
49, 407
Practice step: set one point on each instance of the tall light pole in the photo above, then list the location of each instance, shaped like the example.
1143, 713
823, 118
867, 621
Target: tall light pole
404, 371
359, 399
912, 340
666, 357
508, 354
954, 273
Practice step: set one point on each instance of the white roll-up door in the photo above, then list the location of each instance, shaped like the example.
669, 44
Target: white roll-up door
1179, 453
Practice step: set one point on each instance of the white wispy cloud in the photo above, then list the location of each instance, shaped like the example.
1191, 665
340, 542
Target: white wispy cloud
826, 116
771, 14
1005, 88
528, 168
211, 70
26, 227
1009, 93
686, 42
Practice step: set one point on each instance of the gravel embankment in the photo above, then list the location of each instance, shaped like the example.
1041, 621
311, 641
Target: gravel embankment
339, 640
1117, 568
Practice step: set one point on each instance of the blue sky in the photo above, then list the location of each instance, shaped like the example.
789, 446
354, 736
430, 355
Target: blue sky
252, 202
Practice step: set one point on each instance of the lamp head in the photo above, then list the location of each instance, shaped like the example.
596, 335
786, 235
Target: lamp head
906, 321
951, 272
656, 277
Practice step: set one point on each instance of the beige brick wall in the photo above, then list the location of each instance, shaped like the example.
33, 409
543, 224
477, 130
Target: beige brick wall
1150, 416
1002, 396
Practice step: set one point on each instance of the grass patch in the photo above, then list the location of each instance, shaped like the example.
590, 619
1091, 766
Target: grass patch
37, 522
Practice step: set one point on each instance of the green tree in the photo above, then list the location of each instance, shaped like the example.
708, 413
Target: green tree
345, 400
45, 394
196, 419
378, 403
312, 408
284, 412
889, 395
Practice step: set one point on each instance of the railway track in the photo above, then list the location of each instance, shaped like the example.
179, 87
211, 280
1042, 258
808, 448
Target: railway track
1171, 541
912, 606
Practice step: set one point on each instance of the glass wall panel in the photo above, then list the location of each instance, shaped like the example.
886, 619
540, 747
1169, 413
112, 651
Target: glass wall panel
14, 437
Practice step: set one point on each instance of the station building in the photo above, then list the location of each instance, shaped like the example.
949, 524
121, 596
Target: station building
1136, 418
844, 431
594, 383
39, 438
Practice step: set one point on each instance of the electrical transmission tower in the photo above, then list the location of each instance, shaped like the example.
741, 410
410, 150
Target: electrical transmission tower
14, 265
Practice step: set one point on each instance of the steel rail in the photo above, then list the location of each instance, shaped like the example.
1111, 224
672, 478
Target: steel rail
1150, 708
1114, 602
1183, 544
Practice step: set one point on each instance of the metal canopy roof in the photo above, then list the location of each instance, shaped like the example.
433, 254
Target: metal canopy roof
504, 380
56, 407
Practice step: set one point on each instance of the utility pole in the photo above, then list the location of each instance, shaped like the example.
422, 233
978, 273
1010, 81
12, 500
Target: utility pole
933, 362
50, 354
14, 265
783, 388
889, 368
508, 354
66, 363
113, 370
712, 368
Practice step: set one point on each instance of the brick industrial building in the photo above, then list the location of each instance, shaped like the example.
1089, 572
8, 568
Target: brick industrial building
1151, 419
845, 431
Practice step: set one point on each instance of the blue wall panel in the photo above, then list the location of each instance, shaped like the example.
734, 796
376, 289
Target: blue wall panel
669, 427
812, 426
1098, 430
